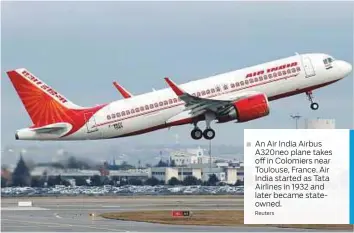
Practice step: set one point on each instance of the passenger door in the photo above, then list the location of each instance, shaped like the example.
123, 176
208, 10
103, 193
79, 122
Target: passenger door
308, 67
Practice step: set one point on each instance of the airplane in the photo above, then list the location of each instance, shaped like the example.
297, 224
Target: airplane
126, 94
239, 96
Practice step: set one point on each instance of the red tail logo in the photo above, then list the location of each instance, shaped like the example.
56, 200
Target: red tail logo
44, 105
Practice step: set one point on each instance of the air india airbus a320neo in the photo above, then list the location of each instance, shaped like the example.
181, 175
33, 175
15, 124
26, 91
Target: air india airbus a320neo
242, 95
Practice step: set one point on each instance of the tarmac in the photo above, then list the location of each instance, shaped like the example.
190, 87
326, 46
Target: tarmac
73, 214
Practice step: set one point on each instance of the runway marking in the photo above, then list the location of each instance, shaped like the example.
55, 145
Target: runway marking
57, 215
110, 206
22, 208
62, 225
139, 205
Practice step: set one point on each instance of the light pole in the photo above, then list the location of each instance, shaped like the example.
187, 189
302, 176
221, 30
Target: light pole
296, 118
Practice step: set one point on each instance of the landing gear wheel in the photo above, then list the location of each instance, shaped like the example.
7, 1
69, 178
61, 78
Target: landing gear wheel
209, 134
314, 106
196, 134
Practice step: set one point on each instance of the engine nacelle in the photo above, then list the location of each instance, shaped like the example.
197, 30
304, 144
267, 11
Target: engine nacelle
247, 109
252, 108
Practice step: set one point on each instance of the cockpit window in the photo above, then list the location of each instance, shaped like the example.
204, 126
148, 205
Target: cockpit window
328, 62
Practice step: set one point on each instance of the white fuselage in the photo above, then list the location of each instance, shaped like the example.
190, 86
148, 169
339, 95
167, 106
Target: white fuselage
162, 108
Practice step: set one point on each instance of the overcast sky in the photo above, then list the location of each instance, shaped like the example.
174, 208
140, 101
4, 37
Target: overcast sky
79, 48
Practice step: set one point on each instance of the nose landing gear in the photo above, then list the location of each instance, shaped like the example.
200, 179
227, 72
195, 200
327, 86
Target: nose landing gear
314, 105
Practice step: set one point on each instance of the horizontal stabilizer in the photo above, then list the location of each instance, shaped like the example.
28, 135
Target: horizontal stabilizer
53, 128
47, 132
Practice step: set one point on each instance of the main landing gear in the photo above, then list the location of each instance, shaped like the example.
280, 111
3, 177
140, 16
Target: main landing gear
208, 133
314, 105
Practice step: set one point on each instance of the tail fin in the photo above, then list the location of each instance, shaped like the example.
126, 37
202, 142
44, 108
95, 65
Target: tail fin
43, 104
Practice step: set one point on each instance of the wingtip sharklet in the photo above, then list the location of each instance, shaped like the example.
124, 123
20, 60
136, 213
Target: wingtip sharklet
126, 94
174, 87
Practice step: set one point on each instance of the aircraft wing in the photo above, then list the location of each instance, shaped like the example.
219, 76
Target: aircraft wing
126, 94
198, 106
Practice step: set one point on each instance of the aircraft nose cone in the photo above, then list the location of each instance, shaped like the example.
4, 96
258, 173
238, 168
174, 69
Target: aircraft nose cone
346, 67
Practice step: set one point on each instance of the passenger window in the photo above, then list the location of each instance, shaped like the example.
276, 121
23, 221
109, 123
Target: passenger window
270, 76
113, 116
198, 94
146, 107
241, 83
161, 103
232, 85
237, 84
246, 82
251, 80
170, 101
123, 113
265, 77
208, 92
284, 72
275, 74
298, 69
141, 108
212, 90
293, 70
175, 100
218, 89
108, 117
288, 71
128, 112
151, 106
137, 110
118, 114
255, 79
132, 111
203, 92
156, 105
279, 73
225, 87
165, 102
260, 78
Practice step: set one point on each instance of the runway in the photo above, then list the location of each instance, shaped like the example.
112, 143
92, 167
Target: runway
72, 214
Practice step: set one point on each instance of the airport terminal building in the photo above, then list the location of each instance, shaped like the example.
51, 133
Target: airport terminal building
193, 162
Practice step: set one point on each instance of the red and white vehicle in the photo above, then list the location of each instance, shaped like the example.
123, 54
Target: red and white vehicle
240, 96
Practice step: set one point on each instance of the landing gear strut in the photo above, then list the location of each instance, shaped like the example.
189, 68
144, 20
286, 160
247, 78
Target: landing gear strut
208, 133
314, 105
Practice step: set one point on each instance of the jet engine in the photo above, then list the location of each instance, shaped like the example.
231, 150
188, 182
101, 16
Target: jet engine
247, 109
